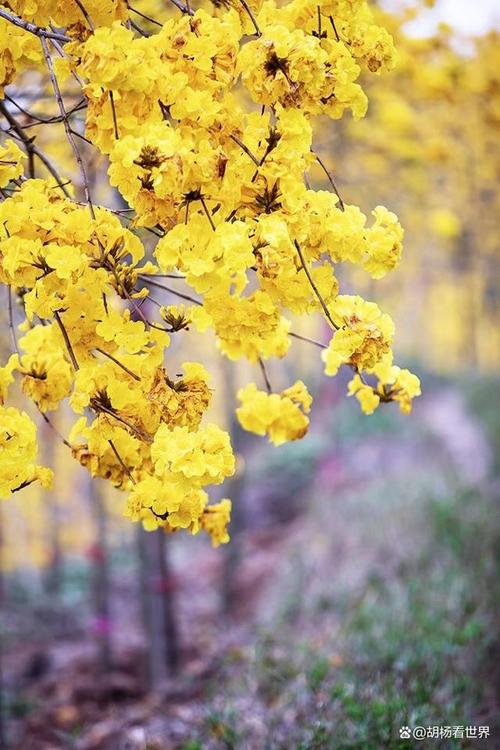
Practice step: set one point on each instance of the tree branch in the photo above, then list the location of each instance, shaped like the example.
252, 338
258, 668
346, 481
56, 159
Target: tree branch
32, 27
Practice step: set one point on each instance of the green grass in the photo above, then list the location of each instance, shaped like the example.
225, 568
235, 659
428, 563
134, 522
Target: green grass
342, 666
416, 646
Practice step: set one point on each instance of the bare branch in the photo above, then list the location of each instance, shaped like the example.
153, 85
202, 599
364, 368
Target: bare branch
251, 16
117, 362
246, 150
265, 376
32, 27
69, 134
66, 341
314, 287
30, 147
330, 179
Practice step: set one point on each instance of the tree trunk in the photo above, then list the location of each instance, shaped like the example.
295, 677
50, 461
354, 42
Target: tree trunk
54, 571
157, 606
232, 552
100, 578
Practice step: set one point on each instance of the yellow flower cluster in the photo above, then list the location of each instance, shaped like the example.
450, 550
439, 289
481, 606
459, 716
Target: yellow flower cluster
18, 51
63, 13
183, 463
11, 162
363, 337
394, 384
225, 188
18, 445
280, 416
18, 449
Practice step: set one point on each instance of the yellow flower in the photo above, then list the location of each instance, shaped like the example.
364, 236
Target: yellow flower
6, 376
279, 415
364, 335
18, 449
384, 243
11, 162
368, 399
215, 520
203, 457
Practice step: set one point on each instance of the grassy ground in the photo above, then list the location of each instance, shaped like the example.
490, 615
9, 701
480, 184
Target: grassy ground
386, 619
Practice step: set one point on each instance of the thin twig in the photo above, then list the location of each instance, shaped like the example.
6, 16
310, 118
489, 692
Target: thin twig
334, 28
141, 435
83, 138
69, 134
121, 461
143, 15
47, 420
31, 27
314, 287
252, 17
245, 149
66, 341
309, 340
264, 375
136, 27
117, 362
164, 276
30, 146
148, 280
85, 15
207, 212
182, 7
330, 178
113, 110
43, 120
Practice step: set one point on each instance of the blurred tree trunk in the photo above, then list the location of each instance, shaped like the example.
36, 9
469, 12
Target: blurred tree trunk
168, 601
234, 487
54, 571
144, 604
158, 606
100, 577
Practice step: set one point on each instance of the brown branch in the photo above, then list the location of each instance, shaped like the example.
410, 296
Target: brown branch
82, 104
147, 280
251, 16
23, 485
113, 111
143, 15
325, 346
47, 420
69, 134
264, 375
330, 178
29, 145
334, 28
314, 287
207, 212
122, 462
309, 341
246, 150
117, 362
66, 341
32, 28
85, 14
141, 435
183, 8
